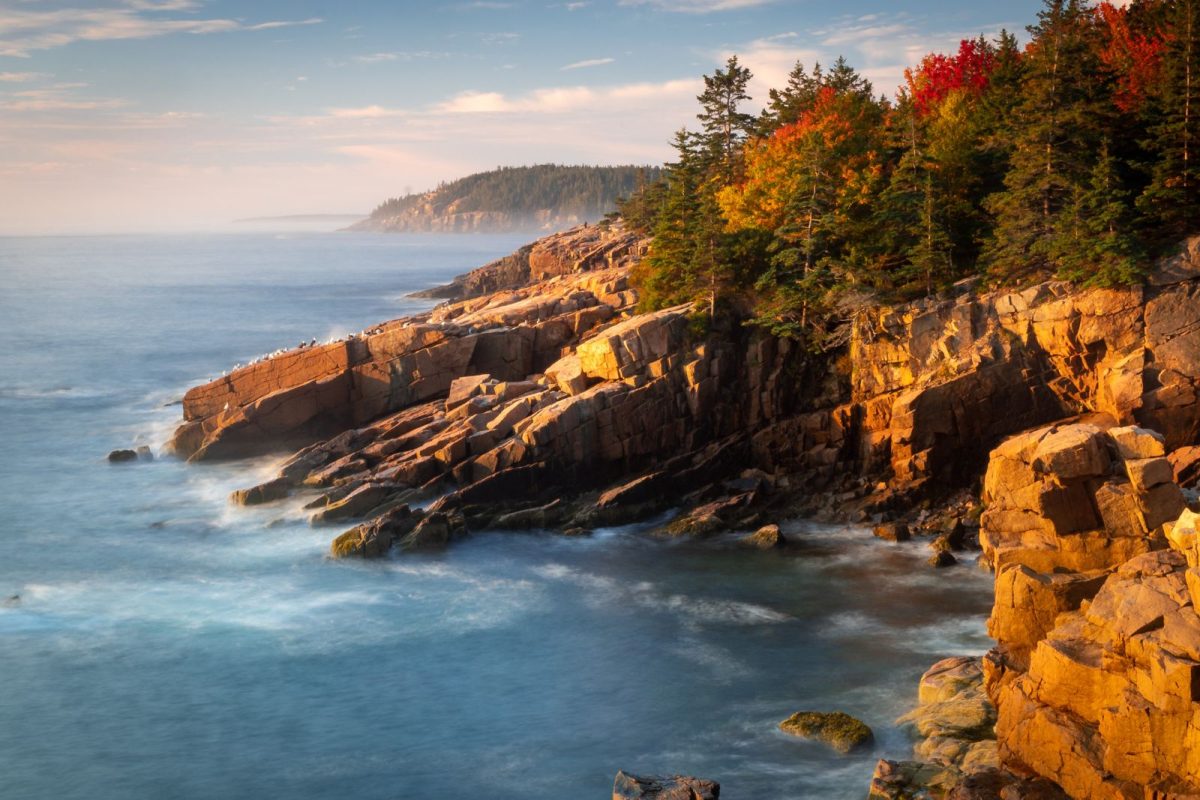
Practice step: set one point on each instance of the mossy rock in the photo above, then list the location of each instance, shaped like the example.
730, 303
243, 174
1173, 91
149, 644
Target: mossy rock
840, 731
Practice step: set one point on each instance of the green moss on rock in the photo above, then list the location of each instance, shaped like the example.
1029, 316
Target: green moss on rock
840, 731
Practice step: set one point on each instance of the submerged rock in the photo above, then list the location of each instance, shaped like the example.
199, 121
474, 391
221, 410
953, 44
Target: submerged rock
840, 731
122, 456
768, 537
942, 558
678, 787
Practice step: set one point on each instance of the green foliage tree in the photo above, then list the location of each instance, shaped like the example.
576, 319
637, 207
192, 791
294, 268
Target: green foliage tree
1101, 249
1059, 124
1171, 201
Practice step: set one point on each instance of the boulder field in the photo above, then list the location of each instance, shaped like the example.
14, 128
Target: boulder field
538, 396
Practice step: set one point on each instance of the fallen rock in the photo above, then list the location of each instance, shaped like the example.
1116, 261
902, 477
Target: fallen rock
678, 787
122, 456
839, 730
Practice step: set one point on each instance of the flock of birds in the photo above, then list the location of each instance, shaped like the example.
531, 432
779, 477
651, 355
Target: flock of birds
304, 346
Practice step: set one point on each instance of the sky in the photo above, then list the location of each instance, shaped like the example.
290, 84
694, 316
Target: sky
163, 115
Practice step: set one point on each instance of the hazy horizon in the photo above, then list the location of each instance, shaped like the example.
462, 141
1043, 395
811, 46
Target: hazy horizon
185, 115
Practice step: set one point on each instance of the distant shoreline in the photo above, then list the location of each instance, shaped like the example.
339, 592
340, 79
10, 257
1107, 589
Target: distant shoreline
303, 218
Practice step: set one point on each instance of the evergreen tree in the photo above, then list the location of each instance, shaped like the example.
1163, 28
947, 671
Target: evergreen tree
664, 278
787, 105
725, 126
1102, 250
1065, 111
1171, 202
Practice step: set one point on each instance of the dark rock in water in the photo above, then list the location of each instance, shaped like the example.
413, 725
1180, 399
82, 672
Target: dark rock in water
373, 539
122, 456
678, 787
270, 491
954, 533
435, 530
895, 780
12, 602
840, 731
768, 537
892, 532
144, 453
942, 558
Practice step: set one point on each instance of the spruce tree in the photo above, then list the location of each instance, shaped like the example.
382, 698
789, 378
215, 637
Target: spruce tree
785, 106
1101, 249
1171, 201
724, 124
1065, 111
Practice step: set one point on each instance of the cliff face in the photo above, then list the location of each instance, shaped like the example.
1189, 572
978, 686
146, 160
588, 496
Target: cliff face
539, 398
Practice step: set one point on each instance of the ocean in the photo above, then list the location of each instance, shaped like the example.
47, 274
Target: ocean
166, 644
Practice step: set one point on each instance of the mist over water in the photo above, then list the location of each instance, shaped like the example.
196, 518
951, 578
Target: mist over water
168, 644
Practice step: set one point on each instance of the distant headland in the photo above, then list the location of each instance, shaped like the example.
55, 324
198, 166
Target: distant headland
540, 198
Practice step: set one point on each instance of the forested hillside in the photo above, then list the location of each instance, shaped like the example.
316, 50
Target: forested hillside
1073, 156
513, 198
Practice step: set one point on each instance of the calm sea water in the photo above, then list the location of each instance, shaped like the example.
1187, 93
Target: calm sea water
168, 645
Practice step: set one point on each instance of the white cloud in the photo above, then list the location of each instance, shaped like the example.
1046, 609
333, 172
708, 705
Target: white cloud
22, 31
22, 77
697, 6
364, 112
375, 58
588, 62
879, 47
562, 99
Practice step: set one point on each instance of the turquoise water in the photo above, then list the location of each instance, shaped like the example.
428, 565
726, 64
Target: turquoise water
169, 645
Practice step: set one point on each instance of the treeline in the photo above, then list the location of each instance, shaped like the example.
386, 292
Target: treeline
1076, 156
581, 191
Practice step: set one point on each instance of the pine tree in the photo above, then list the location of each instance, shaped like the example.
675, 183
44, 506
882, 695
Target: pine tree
664, 277
1171, 202
785, 106
1101, 249
1065, 110
725, 126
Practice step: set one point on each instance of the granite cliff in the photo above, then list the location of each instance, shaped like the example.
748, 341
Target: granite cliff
538, 397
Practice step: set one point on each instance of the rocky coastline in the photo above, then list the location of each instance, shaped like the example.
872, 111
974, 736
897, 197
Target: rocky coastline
1057, 429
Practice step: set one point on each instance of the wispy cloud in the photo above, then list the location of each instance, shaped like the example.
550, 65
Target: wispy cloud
563, 99
588, 62
879, 46
363, 112
404, 55
56, 97
500, 37
697, 6
22, 77
23, 32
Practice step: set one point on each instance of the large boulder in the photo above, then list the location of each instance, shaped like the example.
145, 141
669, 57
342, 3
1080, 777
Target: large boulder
677, 787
